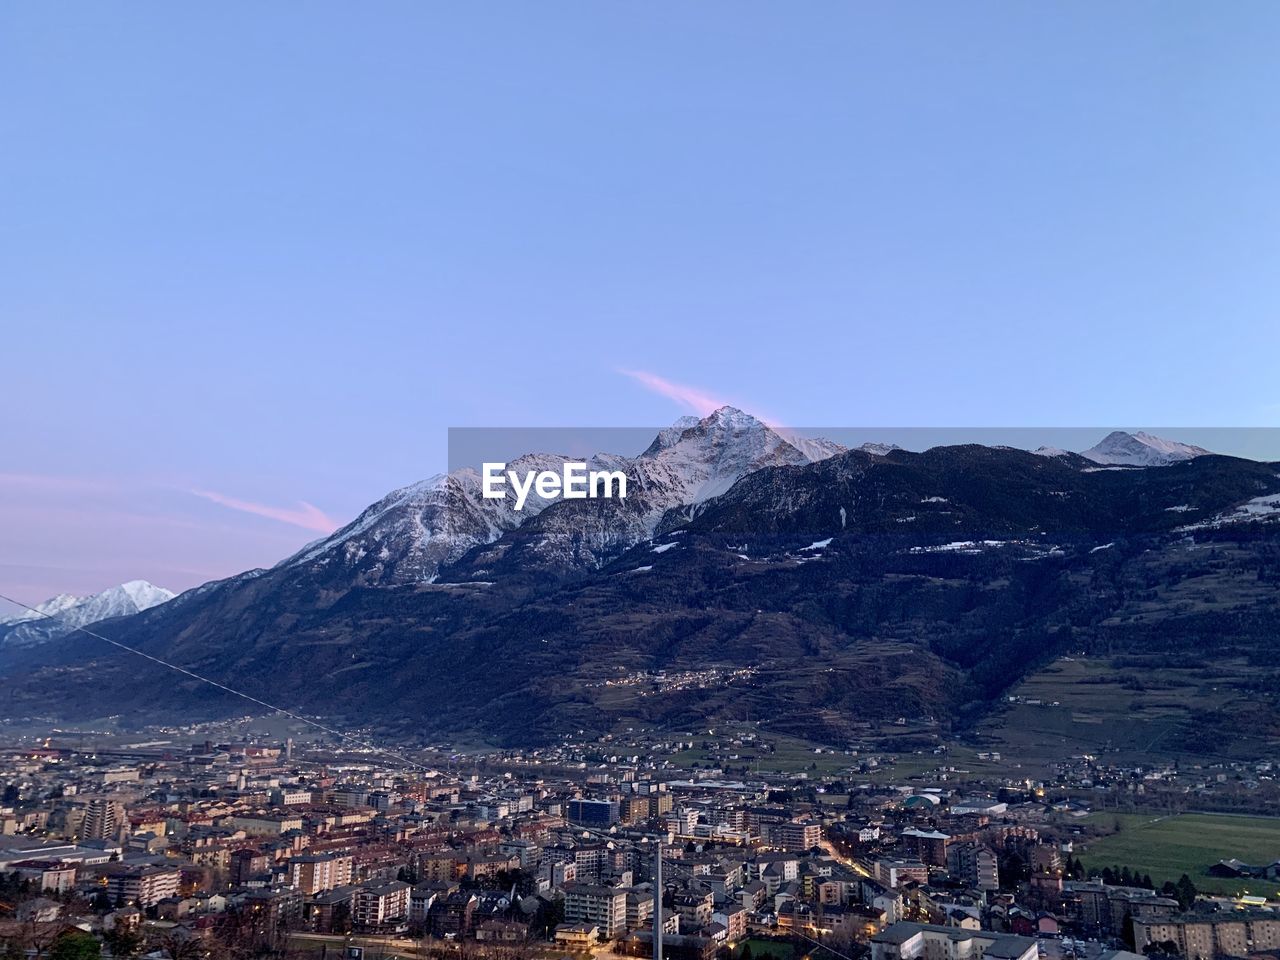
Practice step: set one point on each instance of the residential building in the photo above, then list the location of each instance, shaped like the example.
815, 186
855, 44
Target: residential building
593, 813
141, 884
794, 834
386, 904
604, 907
924, 941
314, 874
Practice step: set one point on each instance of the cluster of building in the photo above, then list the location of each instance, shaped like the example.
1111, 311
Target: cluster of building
339, 844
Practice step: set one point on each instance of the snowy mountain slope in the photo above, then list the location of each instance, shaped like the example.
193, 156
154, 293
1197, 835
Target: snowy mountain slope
408, 535
712, 455
687, 465
1119, 448
28, 628
814, 448
879, 449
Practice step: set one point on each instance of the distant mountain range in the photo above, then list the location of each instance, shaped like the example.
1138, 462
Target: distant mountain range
852, 583
30, 628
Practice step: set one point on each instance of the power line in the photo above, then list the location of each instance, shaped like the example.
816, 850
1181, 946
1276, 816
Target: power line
222, 686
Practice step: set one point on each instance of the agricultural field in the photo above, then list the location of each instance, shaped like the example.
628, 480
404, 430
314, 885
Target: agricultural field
1112, 708
1168, 846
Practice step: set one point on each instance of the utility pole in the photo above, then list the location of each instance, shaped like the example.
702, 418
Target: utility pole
657, 902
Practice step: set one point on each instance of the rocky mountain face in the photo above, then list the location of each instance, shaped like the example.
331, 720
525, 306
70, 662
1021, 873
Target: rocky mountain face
68, 612
686, 466
407, 536
865, 584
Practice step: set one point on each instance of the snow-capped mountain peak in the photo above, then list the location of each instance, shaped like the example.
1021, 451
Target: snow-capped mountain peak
49, 608
1140, 449
815, 448
712, 454
69, 612
408, 535
672, 434
877, 449
411, 532
142, 594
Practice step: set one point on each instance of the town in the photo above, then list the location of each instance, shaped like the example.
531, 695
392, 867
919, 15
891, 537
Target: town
215, 841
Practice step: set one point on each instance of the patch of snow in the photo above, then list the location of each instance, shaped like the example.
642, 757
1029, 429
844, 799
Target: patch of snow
1258, 509
961, 546
1261, 506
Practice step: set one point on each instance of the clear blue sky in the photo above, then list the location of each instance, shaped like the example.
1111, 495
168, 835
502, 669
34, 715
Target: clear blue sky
271, 251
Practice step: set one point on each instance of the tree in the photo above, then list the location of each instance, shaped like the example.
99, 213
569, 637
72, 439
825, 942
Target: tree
75, 945
180, 946
1186, 892
123, 941
1127, 933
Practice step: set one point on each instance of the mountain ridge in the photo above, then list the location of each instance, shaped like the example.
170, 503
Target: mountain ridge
924, 582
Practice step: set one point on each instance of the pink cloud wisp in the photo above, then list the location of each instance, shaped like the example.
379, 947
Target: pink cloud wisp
695, 399
307, 516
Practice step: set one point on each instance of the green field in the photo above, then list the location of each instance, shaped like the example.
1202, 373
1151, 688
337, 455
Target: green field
1134, 715
1190, 843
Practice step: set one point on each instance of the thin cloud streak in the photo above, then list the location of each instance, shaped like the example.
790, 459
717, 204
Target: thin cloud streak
308, 516
693, 398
